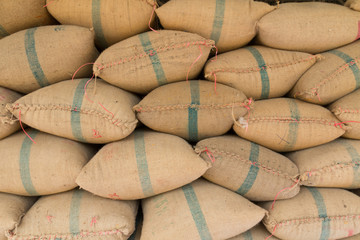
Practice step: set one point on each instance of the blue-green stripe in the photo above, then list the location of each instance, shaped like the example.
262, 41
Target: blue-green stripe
355, 159
193, 111
24, 163
75, 212
196, 212
253, 171
354, 68
32, 58
3, 32
158, 69
75, 110
218, 20
320, 204
293, 125
142, 164
265, 84
96, 19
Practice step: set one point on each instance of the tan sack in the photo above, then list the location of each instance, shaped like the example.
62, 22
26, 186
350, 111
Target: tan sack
12, 209
311, 27
248, 169
37, 57
48, 165
334, 164
315, 213
332, 78
77, 214
193, 110
258, 232
231, 24
148, 60
8, 123
259, 72
285, 124
112, 20
347, 109
200, 210
142, 165
81, 110
353, 4
18, 15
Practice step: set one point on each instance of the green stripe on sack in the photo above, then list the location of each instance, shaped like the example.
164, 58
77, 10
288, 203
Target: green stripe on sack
247, 235
218, 20
24, 164
3, 32
75, 110
196, 212
75, 212
96, 19
253, 171
158, 69
32, 58
355, 160
354, 68
293, 125
142, 164
320, 204
265, 84
193, 111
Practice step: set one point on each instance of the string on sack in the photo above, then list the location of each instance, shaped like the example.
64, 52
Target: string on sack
272, 234
297, 182
23, 128
152, 14
197, 59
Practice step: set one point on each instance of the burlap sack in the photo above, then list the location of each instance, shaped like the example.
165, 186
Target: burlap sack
112, 20
144, 62
8, 123
18, 15
144, 164
332, 78
12, 209
231, 23
285, 124
249, 169
347, 109
77, 214
353, 4
334, 164
258, 232
259, 72
30, 165
200, 210
311, 27
37, 57
101, 114
315, 213
192, 110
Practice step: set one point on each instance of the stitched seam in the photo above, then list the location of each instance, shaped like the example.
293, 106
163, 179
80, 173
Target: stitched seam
186, 106
342, 110
331, 168
303, 120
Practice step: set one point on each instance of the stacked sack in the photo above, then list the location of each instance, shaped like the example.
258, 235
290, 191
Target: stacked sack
235, 120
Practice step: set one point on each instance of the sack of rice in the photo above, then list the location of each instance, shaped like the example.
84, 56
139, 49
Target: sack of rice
353, 4
146, 61
17, 15
37, 57
334, 164
332, 78
30, 165
315, 213
258, 232
142, 165
12, 208
231, 24
259, 72
77, 214
82, 110
205, 211
8, 123
285, 124
112, 20
248, 169
311, 27
192, 110
347, 109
